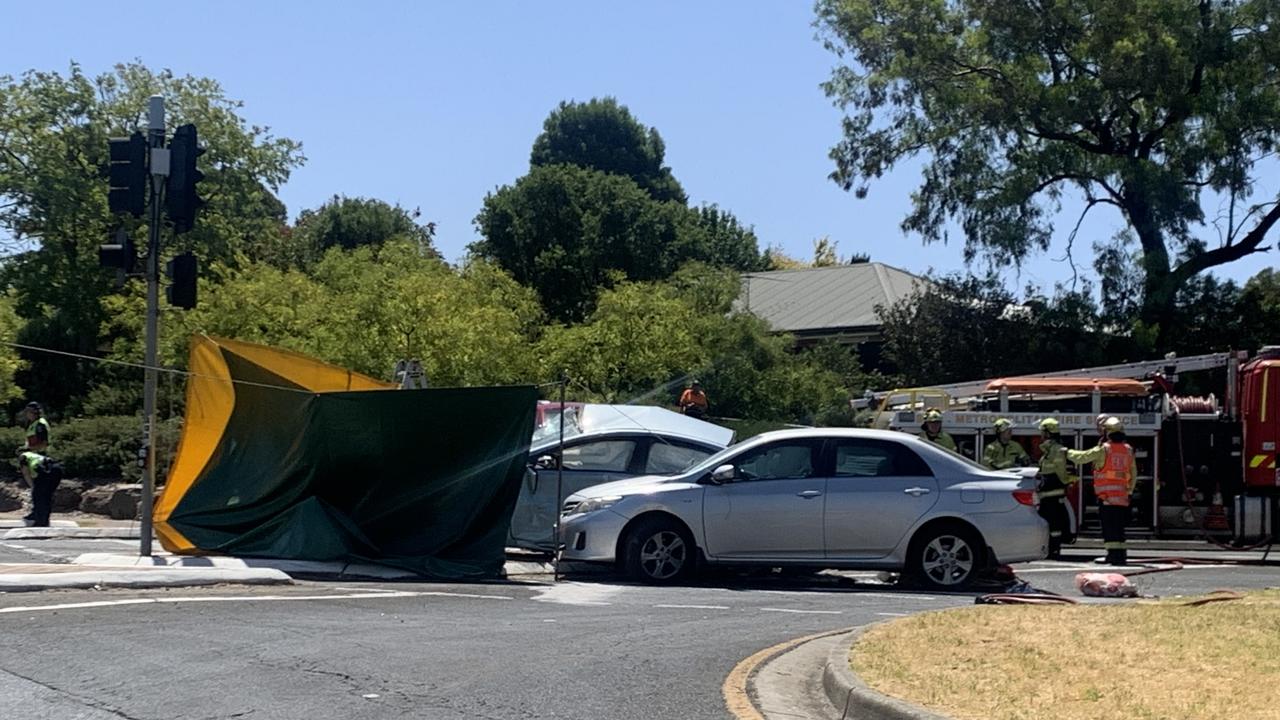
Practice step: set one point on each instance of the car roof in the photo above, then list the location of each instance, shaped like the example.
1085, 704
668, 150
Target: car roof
626, 432
827, 432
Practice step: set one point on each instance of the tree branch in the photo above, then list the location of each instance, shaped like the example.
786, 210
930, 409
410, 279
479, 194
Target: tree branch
1071, 239
1248, 245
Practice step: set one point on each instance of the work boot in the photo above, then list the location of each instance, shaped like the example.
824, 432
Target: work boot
1117, 557
1055, 548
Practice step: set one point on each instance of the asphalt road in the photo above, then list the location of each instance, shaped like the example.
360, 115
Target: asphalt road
588, 648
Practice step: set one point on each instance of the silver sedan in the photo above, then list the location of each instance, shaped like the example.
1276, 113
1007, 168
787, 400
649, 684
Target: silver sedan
831, 498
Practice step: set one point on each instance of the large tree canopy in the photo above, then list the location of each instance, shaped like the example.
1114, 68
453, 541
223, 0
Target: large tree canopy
603, 135
568, 231
53, 197
350, 223
1153, 107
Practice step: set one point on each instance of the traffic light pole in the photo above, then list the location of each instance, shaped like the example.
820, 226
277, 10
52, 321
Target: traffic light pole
159, 171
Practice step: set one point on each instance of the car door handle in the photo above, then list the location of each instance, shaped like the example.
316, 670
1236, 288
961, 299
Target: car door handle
917, 491
809, 494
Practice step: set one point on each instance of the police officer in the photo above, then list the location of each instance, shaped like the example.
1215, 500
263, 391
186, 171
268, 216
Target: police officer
1115, 473
1005, 452
1054, 480
932, 427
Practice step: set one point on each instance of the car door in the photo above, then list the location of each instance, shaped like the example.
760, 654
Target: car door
876, 491
587, 462
772, 508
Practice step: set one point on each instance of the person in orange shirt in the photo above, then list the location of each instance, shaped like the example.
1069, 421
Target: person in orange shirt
693, 401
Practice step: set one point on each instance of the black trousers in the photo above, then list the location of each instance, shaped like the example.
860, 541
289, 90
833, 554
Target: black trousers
1054, 512
42, 490
1114, 519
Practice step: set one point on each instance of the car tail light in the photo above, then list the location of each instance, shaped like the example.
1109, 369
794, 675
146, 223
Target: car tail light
1025, 497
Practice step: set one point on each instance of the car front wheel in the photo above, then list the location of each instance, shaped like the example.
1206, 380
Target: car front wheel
946, 557
659, 551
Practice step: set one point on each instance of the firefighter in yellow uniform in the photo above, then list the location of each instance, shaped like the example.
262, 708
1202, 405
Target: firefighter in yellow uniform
1054, 479
933, 432
1005, 452
1115, 473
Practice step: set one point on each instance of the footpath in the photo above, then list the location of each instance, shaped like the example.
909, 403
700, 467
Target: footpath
70, 554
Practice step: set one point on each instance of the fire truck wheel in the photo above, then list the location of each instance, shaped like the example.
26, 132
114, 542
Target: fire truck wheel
945, 556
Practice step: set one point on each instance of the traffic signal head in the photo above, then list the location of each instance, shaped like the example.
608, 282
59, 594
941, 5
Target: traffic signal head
183, 271
181, 201
127, 174
120, 254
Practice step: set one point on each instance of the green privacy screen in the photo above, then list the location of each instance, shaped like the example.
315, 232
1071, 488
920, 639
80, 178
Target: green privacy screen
423, 480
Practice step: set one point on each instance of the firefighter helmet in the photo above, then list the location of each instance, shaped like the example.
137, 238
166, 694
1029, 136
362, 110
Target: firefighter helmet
933, 415
1049, 425
1003, 424
1112, 425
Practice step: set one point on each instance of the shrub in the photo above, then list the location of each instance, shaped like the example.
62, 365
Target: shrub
107, 446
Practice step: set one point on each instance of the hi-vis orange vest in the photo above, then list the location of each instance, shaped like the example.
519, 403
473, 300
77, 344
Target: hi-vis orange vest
1111, 479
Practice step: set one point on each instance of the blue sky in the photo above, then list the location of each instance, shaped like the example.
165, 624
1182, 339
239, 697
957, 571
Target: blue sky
434, 104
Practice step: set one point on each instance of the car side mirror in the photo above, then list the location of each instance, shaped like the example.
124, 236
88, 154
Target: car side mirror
723, 474
546, 462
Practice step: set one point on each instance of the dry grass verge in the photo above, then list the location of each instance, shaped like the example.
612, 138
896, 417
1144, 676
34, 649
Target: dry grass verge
1087, 662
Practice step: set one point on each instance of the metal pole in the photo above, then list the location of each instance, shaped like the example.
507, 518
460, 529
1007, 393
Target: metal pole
555, 533
155, 134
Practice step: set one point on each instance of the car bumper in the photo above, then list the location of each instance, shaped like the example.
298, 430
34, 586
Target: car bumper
1016, 536
592, 537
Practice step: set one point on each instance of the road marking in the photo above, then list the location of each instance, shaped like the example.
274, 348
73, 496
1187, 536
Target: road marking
803, 612
461, 595
734, 690
694, 607
894, 614
244, 598
895, 596
576, 593
33, 551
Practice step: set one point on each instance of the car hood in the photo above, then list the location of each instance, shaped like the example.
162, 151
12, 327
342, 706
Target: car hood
631, 486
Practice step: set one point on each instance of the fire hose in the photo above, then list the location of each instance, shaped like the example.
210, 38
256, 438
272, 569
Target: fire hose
1108, 585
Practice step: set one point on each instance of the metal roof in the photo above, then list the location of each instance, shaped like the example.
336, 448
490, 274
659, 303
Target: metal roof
840, 296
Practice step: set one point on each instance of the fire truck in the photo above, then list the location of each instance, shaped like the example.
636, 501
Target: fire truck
1206, 464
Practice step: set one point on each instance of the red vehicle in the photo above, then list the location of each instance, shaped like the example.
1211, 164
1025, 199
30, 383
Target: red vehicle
1206, 465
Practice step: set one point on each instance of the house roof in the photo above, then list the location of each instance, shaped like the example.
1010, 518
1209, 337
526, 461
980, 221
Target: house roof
826, 298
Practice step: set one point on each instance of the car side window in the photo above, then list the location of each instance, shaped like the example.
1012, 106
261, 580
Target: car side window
867, 457
778, 461
668, 458
602, 455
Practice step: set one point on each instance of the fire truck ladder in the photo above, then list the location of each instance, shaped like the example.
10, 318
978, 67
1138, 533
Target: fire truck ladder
1130, 371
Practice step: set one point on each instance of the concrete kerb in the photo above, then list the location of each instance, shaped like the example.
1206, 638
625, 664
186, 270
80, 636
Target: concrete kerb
294, 568
61, 533
139, 578
852, 698
17, 523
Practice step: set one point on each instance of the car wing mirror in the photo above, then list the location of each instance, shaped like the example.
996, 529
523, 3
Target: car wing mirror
545, 462
723, 474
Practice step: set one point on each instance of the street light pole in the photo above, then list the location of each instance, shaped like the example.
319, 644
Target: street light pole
159, 171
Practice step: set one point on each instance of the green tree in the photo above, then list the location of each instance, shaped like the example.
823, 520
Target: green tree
644, 341
568, 231
1148, 106
602, 135
349, 223
363, 309
10, 362
53, 209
